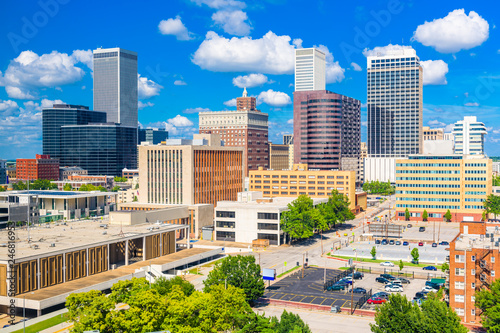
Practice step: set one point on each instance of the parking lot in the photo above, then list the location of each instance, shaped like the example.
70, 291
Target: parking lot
310, 289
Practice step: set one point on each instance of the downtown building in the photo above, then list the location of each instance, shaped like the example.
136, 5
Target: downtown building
327, 126
469, 136
40, 167
246, 127
394, 104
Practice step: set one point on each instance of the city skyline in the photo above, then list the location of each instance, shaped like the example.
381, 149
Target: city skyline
52, 62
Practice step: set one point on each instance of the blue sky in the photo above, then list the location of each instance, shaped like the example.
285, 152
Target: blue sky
197, 54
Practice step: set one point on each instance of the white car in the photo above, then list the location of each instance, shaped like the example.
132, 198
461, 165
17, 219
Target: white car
397, 281
429, 289
387, 263
393, 287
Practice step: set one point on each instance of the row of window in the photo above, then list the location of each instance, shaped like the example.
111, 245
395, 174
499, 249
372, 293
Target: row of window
319, 182
429, 165
443, 179
430, 171
427, 206
300, 176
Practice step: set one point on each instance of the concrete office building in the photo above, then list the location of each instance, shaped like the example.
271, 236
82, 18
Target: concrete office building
432, 133
246, 127
252, 217
288, 139
65, 172
279, 156
362, 157
474, 261
310, 70
115, 85
152, 135
303, 181
459, 183
496, 168
190, 171
438, 147
394, 105
40, 167
469, 136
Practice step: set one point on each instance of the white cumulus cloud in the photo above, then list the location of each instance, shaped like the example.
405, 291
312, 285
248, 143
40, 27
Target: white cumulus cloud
233, 22
147, 88
472, 104
218, 4
356, 67
436, 123
434, 72
175, 27
195, 110
250, 80
290, 121
454, 32
274, 98
384, 50
180, 83
8, 108
231, 102
271, 54
142, 105
334, 73
180, 121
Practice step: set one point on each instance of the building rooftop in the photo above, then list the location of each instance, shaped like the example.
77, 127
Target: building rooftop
56, 194
74, 235
278, 202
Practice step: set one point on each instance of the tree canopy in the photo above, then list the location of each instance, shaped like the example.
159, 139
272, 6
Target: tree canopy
67, 187
335, 210
377, 187
447, 216
415, 255
90, 187
38, 184
488, 301
492, 205
400, 315
238, 271
121, 179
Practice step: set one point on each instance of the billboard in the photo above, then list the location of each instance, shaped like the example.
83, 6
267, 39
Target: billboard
269, 274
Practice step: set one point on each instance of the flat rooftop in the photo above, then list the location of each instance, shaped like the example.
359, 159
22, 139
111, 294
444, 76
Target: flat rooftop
74, 235
57, 194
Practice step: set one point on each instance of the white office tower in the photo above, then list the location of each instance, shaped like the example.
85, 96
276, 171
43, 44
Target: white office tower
310, 70
469, 136
115, 85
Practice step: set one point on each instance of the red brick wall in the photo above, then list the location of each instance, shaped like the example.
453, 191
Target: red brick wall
455, 216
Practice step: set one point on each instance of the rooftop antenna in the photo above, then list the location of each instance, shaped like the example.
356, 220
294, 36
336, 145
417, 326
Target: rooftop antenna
121, 234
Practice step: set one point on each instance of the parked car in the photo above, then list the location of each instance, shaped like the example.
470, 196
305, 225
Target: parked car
377, 241
346, 280
404, 280
384, 242
336, 286
429, 289
405, 243
429, 268
357, 275
382, 280
434, 245
381, 294
392, 242
444, 243
393, 288
417, 301
376, 300
387, 263
421, 229
388, 276
409, 225
397, 281
358, 290
420, 295
433, 285
398, 243
413, 261
420, 243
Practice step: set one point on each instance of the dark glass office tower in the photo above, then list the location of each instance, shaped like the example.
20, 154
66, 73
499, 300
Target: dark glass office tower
60, 115
152, 135
102, 149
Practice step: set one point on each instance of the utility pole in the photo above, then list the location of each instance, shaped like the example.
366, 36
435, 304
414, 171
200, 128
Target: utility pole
303, 263
324, 276
321, 235
434, 232
439, 230
352, 292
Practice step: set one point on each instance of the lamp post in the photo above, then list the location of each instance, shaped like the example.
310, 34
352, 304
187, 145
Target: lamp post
24, 314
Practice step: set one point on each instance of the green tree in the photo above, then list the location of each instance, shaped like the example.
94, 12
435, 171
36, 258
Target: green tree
298, 221
239, 271
115, 189
89, 311
164, 286
415, 254
373, 252
445, 267
42, 184
135, 198
2, 189
496, 181
377, 187
447, 216
290, 323
439, 317
120, 180
407, 214
401, 265
425, 216
67, 187
336, 209
492, 205
136, 186
489, 303
20, 186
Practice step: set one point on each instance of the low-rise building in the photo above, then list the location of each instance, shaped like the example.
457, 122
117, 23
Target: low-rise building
458, 183
40, 167
474, 261
66, 171
127, 195
130, 173
302, 181
252, 217
432, 133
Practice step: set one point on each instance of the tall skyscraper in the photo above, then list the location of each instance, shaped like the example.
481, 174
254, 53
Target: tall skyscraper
310, 70
152, 135
288, 139
115, 85
394, 104
469, 136
244, 127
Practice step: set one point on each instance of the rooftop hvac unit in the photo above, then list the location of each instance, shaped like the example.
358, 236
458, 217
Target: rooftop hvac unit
35, 247
52, 244
104, 232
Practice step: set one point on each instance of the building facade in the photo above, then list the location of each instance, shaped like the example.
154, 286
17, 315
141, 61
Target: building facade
310, 70
60, 115
3, 172
41, 167
115, 85
200, 172
473, 264
246, 128
279, 156
458, 183
394, 104
432, 133
303, 181
327, 129
288, 139
152, 135
65, 172
469, 136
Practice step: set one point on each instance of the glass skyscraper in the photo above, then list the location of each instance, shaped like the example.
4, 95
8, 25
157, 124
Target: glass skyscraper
60, 115
152, 135
115, 85
394, 104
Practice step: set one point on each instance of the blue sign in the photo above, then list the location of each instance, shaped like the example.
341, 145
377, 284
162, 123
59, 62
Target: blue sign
269, 274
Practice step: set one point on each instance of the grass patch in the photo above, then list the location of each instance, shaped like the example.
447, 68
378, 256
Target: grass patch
210, 264
344, 268
289, 271
194, 271
45, 324
377, 261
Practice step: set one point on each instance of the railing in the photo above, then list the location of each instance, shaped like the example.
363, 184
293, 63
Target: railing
337, 278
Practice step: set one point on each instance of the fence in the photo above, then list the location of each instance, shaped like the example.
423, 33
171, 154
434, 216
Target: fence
362, 300
401, 273
336, 278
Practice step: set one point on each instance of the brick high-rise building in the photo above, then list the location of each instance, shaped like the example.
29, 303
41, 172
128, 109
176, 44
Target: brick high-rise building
246, 127
474, 261
41, 167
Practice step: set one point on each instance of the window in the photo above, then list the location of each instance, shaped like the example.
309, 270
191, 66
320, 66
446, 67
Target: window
492, 259
473, 285
267, 216
473, 272
459, 271
267, 226
459, 311
473, 258
459, 298
473, 298
225, 224
221, 213
492, 273
473, 312
459, 258
459, 285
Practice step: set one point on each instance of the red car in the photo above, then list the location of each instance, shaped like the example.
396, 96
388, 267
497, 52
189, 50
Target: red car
376, 300
420, 244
